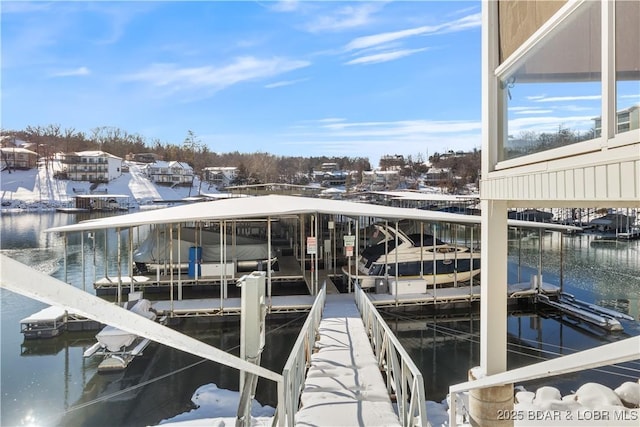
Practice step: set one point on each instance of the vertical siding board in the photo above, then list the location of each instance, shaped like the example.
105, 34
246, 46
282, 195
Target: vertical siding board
545, 186
579, 183
562, 194
601, 182
569, 185
589, 183
614, 191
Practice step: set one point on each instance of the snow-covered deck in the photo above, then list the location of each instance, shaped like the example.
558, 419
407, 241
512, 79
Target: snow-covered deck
344, 386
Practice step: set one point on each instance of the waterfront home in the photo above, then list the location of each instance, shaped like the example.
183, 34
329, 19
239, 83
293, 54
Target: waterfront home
220, 176
92, 166
578, 54
381, 180
170, 173
17, 158
144, 157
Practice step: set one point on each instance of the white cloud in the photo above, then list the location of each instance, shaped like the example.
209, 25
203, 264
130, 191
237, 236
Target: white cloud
25, 7
331, 120
568, 98
575, 108
333, 128
467, 22
384, 56
374, 139
284, 83
549, 123
80, 71
345, 18
285, 5
534, 111
241, 69
376, 39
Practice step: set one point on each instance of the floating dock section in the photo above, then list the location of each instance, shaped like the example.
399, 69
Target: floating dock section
52, 321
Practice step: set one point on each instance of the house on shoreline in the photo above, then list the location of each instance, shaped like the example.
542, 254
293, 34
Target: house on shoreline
92, 166
17, 158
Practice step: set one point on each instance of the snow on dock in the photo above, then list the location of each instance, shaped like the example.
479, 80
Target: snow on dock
52, 321
344, 386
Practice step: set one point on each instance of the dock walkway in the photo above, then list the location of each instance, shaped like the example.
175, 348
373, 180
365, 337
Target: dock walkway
344, 386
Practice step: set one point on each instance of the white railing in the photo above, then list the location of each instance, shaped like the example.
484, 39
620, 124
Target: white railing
403, 378
608, 354
295, 370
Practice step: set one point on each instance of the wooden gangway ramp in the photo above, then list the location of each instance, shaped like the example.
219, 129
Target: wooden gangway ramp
344, 386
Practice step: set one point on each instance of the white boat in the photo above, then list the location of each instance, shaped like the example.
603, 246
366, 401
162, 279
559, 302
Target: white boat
247, 253
420, 261
120, 347
114, 339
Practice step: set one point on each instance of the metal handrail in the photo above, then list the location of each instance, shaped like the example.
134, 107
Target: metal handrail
295, 370
404, 380
608, 354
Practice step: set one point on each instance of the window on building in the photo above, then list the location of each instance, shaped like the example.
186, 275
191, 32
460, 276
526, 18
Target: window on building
552, 95
627, 65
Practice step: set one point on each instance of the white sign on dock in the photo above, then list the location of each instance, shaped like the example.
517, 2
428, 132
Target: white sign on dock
312, 246
349, 240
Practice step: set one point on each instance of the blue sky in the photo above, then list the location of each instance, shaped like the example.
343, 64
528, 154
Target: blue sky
290, 78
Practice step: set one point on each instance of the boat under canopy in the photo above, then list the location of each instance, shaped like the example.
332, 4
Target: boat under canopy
397, 257
161, 246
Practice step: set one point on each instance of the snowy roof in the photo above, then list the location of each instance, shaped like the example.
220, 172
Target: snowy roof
437, 197
94, 154
102, 196
17, 150
183, 165
221, 168
169, 164
277, 205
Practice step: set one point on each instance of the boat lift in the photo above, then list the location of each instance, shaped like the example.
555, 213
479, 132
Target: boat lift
590, 313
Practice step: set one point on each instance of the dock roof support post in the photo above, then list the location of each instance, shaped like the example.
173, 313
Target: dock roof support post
171, 266
268, 264
132, 286
493, 289
180, 261
105, 257
315, 234
396, 278
119, 258
84, 279
64, 257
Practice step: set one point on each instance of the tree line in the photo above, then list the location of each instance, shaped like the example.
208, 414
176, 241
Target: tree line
258, 167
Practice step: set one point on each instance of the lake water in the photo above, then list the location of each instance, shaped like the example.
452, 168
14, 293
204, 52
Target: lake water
48, 382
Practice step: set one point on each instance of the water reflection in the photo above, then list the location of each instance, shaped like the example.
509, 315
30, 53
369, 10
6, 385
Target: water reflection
445, 347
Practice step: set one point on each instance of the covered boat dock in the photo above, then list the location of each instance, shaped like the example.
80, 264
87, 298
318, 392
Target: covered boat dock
306, 233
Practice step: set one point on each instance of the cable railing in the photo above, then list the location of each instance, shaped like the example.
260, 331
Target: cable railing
295, 370
403, 378
608, 354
